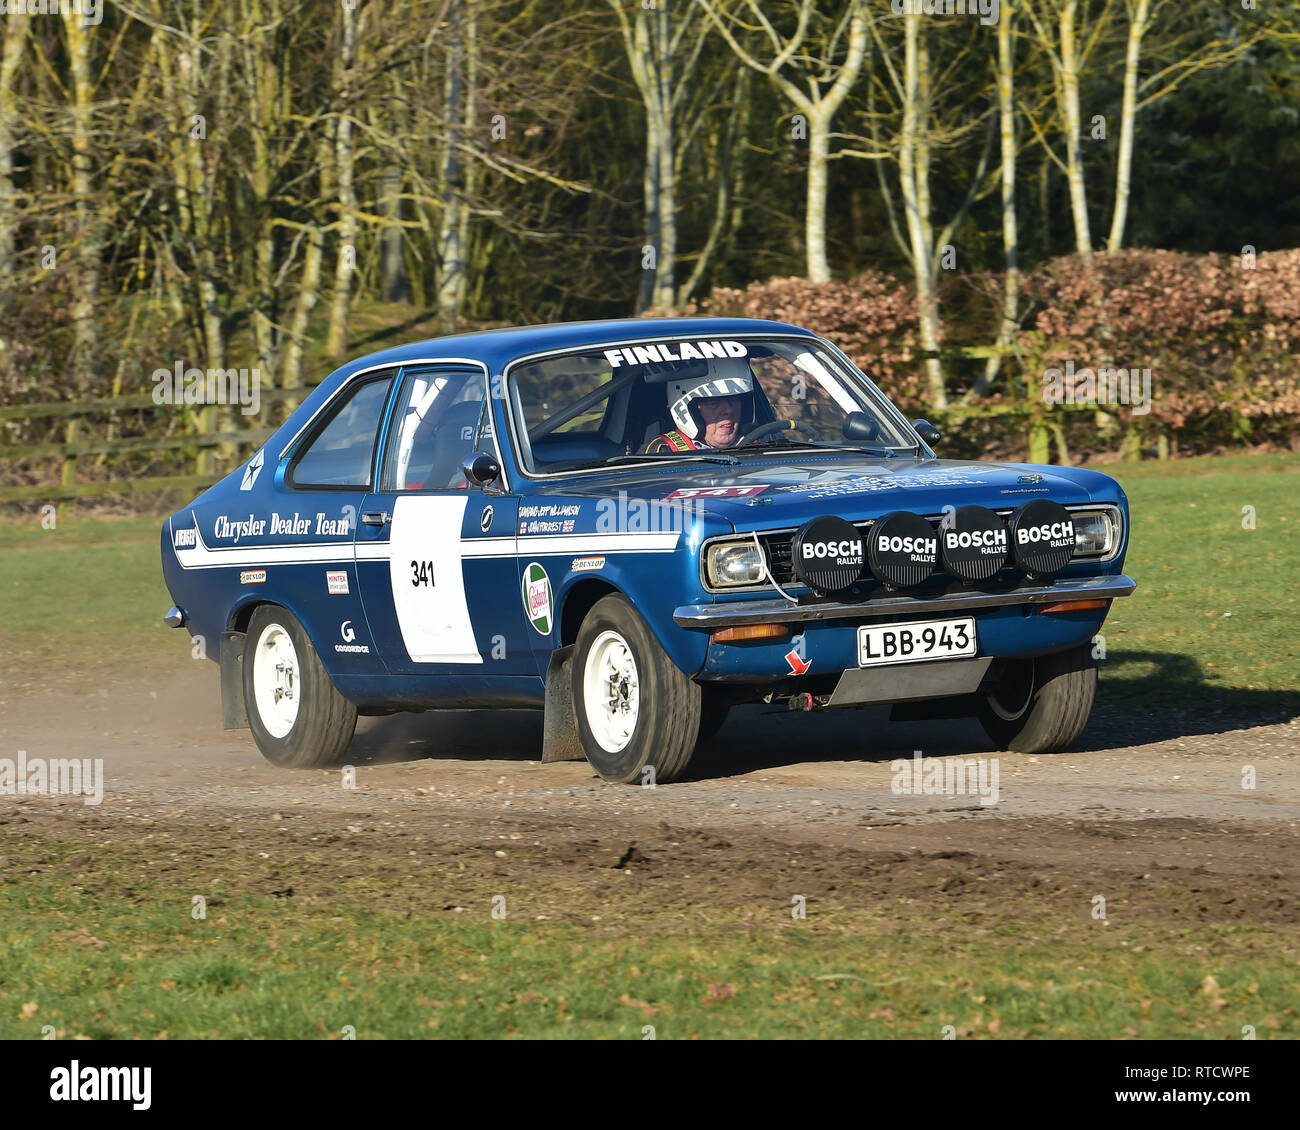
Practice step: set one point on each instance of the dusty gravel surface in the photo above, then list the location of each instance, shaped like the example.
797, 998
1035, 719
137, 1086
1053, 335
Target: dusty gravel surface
1150, 808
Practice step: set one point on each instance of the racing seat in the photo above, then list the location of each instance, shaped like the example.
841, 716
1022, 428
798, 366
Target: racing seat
441, 446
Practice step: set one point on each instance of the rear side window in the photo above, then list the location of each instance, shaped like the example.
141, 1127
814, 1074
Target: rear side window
342, 451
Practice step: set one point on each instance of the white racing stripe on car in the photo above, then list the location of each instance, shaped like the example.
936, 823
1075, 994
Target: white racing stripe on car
599, 543
203, 556
487, 547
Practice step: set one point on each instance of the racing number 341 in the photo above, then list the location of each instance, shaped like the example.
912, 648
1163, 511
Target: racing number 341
422, 573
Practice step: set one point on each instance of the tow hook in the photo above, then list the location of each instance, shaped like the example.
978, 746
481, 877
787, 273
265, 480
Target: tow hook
808, 702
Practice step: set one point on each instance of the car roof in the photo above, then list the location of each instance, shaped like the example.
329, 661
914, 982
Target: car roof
496, 348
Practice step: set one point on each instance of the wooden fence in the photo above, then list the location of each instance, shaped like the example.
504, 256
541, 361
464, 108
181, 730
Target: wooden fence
203, 440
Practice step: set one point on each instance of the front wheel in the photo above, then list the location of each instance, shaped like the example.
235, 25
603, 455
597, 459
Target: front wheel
638, 713
297, 716
1041, 705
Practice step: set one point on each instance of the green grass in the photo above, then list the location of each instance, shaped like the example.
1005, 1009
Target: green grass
103, 966
85, 595
1213, 622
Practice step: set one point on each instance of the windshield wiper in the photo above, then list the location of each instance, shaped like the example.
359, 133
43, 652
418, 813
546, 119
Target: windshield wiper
777, 444
801, 444
882, 451
676, 457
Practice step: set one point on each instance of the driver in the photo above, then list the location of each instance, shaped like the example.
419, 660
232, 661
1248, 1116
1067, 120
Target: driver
706, 410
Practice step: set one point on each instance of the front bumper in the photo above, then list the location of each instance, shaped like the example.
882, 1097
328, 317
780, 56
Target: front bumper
955, 598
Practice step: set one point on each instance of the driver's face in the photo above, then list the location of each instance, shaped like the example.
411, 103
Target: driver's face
721, 416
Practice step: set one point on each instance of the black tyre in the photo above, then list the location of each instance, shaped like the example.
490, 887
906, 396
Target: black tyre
636, 710
297, 716
1042, 705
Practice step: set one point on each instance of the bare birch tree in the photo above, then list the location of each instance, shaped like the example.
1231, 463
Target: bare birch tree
814, 67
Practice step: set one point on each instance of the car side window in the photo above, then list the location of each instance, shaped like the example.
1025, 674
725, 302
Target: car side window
437, 415
342, 451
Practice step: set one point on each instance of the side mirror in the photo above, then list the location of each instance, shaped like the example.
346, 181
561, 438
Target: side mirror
481, 469
858, 425
927, 431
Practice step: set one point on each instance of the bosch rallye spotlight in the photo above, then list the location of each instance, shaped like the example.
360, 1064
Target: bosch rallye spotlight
903, 549
828, 554
974, 543
1042, 538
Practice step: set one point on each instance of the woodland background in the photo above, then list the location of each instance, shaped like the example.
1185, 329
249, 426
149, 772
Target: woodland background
280, 186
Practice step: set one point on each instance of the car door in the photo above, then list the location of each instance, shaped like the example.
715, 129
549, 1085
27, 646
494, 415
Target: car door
436, 558
312, 518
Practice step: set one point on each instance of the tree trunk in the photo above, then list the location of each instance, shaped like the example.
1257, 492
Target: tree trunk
15, 37
666, 263
336, 344
451, 252
650, 182
922, 252
1074, 131
471, 173
86, 340
1128, 123
312, 269
1010, 235
819, 149
392, 255
264, 83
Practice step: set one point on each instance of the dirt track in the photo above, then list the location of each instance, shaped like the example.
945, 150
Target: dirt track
1150, 810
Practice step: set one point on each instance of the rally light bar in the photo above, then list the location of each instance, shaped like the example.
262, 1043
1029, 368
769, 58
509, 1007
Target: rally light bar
902, 549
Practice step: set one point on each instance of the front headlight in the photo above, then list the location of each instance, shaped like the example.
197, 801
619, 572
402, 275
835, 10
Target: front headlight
735, 563
1096, 532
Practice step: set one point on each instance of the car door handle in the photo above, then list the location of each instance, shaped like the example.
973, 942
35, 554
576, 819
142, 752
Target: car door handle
376, 518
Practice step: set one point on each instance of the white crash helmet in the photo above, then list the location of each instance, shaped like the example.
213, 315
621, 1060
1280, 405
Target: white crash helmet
727, 376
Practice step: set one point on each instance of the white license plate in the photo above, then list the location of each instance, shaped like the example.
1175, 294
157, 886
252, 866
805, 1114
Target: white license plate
910, 643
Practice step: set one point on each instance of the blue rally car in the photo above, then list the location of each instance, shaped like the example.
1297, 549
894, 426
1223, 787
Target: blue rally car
636, 525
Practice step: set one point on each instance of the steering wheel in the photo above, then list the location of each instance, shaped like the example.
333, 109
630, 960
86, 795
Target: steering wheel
772, 427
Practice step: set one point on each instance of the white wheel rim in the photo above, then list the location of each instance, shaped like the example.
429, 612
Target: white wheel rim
277, 683
611, 691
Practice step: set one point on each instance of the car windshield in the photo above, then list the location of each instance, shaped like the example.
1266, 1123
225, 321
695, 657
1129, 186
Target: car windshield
695, 398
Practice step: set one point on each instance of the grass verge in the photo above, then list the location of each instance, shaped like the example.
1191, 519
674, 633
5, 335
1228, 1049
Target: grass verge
124, 958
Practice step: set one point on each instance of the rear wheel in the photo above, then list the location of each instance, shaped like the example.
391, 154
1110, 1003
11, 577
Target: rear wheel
1041, 705
297, 716
636, 710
